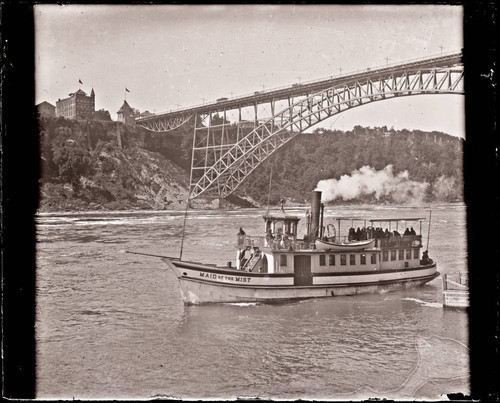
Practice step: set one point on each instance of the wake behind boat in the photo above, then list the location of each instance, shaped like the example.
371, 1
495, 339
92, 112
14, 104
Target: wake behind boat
281, 266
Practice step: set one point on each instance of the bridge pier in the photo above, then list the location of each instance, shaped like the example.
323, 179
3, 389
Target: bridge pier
208, 203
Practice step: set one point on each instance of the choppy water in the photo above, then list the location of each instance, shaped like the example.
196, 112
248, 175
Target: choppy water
112, 325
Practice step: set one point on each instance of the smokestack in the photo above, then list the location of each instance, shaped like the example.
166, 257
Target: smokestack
315, 212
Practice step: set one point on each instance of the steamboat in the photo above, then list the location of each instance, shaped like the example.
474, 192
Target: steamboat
325, 262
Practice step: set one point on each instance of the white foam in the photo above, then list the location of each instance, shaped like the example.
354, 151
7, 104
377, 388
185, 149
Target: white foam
425, 303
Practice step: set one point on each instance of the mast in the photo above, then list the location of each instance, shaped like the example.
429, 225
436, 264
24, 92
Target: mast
429, 230
191, 187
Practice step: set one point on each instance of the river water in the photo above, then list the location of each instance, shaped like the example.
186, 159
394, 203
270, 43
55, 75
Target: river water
112, 325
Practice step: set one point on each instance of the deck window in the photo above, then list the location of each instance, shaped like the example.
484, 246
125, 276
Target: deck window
408, 254
393, 254
343, 259
283, 260
362, 259
415, 253
401, 254
352, 259
385, 255
331, 260
373, 259
322, 260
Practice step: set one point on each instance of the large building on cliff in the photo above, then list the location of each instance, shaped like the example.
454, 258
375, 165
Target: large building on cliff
78, 106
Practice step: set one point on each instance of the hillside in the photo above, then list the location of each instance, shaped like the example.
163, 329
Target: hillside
106, 165
365, 165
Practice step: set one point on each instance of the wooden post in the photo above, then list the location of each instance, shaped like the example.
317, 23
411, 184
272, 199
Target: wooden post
445, 284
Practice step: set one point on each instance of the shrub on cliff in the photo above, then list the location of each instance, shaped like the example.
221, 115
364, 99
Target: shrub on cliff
72, 162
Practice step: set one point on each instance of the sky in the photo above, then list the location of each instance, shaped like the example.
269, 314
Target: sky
171, 56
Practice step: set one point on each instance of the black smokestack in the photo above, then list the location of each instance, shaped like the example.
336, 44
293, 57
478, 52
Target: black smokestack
315, 212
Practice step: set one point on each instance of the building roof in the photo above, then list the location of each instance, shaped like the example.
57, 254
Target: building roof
45, 103
79, 92
125, 108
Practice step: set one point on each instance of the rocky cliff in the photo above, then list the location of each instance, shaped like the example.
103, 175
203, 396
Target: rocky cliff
105, 165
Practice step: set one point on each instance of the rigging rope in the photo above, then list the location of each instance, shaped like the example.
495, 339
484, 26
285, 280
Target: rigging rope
269, 192
184, 223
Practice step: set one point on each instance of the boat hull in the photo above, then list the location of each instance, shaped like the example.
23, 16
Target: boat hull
201, 284
360, 245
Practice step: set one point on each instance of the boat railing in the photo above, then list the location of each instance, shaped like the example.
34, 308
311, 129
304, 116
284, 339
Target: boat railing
261, 242
404, 241
244, 241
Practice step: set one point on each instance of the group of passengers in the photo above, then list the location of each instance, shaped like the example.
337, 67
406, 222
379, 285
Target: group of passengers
363, 233
380, 233
358, 234
280, 240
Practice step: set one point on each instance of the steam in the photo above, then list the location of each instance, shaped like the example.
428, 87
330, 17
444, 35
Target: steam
368, 181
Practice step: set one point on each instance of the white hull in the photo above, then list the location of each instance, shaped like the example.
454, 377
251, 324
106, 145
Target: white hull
202, 284
348, 246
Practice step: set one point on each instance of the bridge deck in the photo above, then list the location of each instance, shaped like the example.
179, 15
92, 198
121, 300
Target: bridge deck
309, 87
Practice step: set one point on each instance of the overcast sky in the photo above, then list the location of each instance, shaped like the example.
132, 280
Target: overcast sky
171, 56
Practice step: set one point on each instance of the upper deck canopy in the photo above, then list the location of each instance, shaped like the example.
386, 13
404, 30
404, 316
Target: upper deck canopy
397, 219
377, 220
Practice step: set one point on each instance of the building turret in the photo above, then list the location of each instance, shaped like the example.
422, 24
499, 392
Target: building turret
126, 114
92, 97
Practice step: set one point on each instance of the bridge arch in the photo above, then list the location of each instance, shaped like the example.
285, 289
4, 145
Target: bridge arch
220, 166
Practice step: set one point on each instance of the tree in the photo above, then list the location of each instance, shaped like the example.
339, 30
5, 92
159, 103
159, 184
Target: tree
72, 161
101, 114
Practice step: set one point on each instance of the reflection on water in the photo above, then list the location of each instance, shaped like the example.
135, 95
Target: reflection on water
112, 324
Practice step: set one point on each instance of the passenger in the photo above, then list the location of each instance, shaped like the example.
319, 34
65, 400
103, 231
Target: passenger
284, 243
241, 232
407, 232
387, 234
396, 233
269, 237
362, 234
425, 258
412, 231
352, 234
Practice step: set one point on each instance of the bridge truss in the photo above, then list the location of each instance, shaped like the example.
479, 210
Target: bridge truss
231, 139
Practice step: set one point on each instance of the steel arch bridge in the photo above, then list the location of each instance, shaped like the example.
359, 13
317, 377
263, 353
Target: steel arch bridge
232, 138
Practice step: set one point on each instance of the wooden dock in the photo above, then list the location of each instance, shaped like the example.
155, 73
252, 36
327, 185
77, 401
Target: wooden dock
455, 290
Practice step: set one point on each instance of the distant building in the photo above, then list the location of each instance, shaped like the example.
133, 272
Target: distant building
45, 109
77, 106
146, 114
126, 114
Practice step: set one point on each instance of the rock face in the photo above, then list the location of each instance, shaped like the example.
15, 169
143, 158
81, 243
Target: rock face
103, 165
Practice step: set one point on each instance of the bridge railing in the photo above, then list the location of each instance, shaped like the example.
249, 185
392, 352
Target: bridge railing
310, 82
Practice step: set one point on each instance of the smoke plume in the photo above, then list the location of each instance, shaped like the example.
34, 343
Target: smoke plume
381, 184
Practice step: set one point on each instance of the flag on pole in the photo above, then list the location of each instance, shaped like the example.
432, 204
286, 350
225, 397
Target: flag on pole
80, 81
126, 89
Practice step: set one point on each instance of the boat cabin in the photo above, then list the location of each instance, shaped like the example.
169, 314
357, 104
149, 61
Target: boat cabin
377, 244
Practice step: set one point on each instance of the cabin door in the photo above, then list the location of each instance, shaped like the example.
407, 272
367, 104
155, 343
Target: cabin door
302, 270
